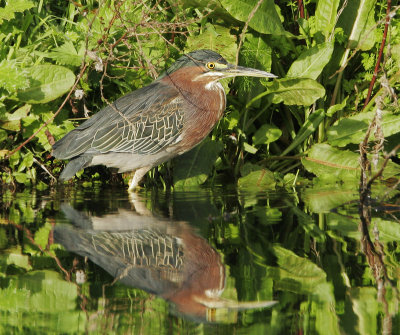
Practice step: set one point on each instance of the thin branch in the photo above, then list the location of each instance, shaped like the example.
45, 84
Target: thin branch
365, 38
378, 61
246, 25
301, 8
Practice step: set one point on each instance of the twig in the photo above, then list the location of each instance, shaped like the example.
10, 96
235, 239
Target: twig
245, 28
301, 8
387, 158
365, 37
83, 68
378, 61
54, 179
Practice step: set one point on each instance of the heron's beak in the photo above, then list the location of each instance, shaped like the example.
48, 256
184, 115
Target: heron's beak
235, 71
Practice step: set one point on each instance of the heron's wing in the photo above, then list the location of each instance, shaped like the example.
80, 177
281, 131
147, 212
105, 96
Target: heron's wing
142, 122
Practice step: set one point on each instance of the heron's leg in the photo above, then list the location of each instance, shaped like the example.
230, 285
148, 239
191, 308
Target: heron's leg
138, 203
137, 177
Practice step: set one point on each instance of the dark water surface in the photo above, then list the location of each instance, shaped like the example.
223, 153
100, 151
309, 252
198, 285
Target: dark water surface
97, 261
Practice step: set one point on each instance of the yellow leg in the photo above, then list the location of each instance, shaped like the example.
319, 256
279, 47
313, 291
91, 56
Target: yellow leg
137, 177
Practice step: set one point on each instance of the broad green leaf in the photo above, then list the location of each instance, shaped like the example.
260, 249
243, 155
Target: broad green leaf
343, 225
14, 6
358, 21
389, 231
325, 16
20, 177
311, 62
14, 257
324, 160
255, 53
353, 128
43, 291
322, 199
193, 168
47, 82
12, 121
66, 54
12, 78
366, 307
266, 134
308, 128
331, 163
258, 179
265, 20
216, 38
300, 273
303, 92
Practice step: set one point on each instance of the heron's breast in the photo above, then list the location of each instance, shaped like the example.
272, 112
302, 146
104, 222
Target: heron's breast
203, 104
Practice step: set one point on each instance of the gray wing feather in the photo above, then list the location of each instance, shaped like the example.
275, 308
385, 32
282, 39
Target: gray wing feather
141, 122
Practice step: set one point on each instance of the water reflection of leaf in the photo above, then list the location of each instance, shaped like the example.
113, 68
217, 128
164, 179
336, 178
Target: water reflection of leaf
40, 293
296, 272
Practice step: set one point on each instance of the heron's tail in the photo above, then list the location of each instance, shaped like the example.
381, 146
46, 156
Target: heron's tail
75, 165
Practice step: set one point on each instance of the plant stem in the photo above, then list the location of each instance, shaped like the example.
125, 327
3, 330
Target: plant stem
378, 61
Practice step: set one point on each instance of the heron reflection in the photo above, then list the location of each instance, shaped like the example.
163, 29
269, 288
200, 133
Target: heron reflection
157, 255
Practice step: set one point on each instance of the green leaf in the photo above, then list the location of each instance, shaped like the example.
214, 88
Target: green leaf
14, 257
12, 121
358, 21
324, 160
193, 168
20, 177
335, 108
3, 137
26, 162
43, 291
15, 6
325, 16
302, 92
323, 198
266, 134
311, 62
12, 78
265, 20
255, 53
297, 272
366, 307
353, 128
66, 54
47, 82
249, 148
389, 231
214, 38
308, 128
259, 179
328, 162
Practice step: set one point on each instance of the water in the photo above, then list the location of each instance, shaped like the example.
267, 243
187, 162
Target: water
91, 260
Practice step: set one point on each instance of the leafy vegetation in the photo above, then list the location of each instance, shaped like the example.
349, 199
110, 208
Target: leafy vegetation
309, 258
62, 63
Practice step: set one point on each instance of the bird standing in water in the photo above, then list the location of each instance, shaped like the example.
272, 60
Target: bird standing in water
153, 124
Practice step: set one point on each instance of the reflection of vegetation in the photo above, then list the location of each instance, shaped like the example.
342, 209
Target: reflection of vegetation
273, 248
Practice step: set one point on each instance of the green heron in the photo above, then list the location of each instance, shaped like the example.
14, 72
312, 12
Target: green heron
153, 124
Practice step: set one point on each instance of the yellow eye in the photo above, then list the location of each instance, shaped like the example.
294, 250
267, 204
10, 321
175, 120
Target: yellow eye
210, 65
